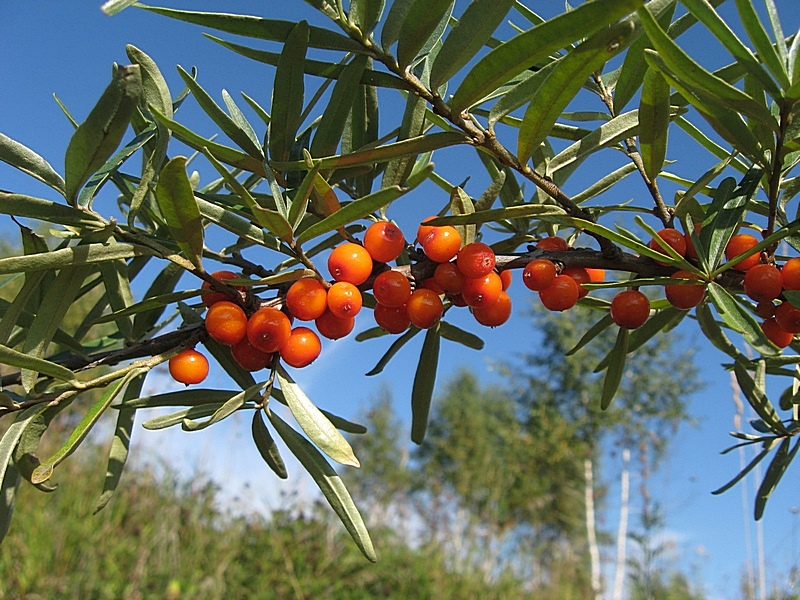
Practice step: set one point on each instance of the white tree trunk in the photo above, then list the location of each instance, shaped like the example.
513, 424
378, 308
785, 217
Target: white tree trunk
622, 531
591, 534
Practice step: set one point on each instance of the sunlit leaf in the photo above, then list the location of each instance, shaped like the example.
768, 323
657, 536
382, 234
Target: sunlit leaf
757, 398
422, 26
27, 161
99, 135
424, 382
455, 334
654, 116
287, 93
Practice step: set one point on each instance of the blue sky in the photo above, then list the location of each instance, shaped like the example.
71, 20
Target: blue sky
68, 47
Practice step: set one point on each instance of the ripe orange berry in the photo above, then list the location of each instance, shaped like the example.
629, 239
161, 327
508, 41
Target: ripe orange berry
392, 319
763, 282
775, 333
424, 308
332, 327
423, 230
441, 243
506, 277
448, 277
673, 238
561, 294
596, 275
788, 317
495, 314
344, 299
538, 274
790, 273
476, 259
209, 296
306, 299
685, 296
350, 262
391, 288
630, 309
581, 276
188, 366
302, 348
480, 292
249, 357
553, 243
268, 329
384, 241
738, 245
226, 322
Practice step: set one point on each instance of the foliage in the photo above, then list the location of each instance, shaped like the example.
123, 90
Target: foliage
315, 166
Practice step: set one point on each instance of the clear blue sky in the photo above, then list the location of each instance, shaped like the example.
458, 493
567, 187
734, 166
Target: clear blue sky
68, 47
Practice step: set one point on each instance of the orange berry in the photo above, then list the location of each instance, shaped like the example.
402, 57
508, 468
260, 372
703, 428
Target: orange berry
506, 277
448, 277
673, 238
268, 329
630, 309
538, 274
391, 288
306, 299
332, 327
424, 308
495, 314
581, 276
384, 241
392, 319
763, 282
476, 259
211, 297
457, 300
596, 275
249, 357
441, 243
553, 243
188, 366
302, 348
561, 294
776, 334
344, 299
738, 245
765, 310
685, 296
790, 273
483, 291
350, 262
226, 322
423, 230
788, 317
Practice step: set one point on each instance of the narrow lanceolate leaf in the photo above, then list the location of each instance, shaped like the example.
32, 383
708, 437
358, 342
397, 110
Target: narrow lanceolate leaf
654, 114
26, 160
120, 444
713, 331
9, 484
701, 81
590, 334
513, 57
780, 462
266, 446
455, 334
155, 91
262, 29
739, 318
316, 425
412, 125
45, 470
424, 382
229, 407
768, 446
112, 7
287, 94
757, 398
422, 27
366, 13
474, 28
394, 21
76, 255
176, 200
351, 212
99, 135
194, 412
615, 369
564, 81
331, 126
461, 204
116, 282
228, 126
706, 14
40, 209
330, 484
397, 344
